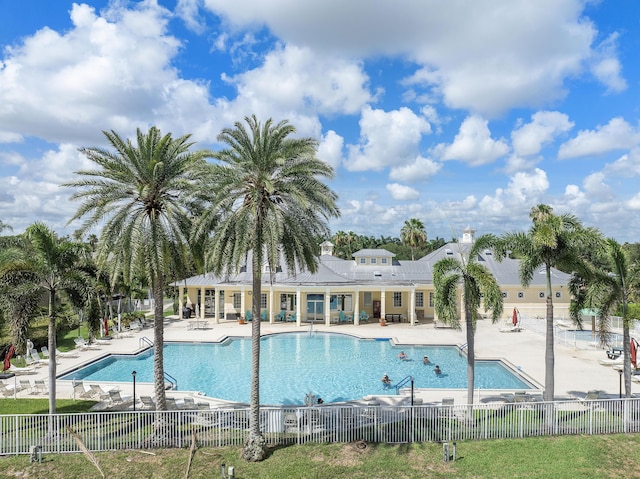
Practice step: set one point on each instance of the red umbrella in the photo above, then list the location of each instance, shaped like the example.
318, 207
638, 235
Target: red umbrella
514, 319
634, 352
6, 364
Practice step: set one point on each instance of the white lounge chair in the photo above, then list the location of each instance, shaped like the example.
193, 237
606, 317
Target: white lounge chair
67, 354
82, 344
79, 391
40, 386
147, 402
99, 394
27, 370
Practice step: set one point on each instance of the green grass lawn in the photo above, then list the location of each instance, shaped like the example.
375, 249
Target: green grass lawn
561, 457
41, 406
612, 456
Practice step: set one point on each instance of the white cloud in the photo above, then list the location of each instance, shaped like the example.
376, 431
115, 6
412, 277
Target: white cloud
606, 66
106, 72
486, 56
634, 202
296, 79
402, 192
595, 186
615, 135
473, 144
544, 127
386, 139
420, 169
330, 148
524, 189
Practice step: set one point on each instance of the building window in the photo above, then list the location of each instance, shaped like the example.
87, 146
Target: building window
383, 260
520, 294
237, 300
558, 294
419, 299
505, 294
263, 301
431, 299
368, 301
541, 294
363, 260
374, 260
397, 299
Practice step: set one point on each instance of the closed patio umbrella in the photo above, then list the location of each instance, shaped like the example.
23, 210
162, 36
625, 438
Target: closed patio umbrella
514, 319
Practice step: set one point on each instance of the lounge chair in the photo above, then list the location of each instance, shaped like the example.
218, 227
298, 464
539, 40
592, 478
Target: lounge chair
188, 403
79, 392
5, 391
45, 351
40, 386
32, 358
115, 398
25, 384
147, 403
82, 344
99, 394
27, 370
343, 318
281, 316
67, 354
592, 395
263, 315
293, 318
510, 329
248, 316
364, 317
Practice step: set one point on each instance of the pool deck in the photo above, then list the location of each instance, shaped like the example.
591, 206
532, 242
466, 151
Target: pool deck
576, 370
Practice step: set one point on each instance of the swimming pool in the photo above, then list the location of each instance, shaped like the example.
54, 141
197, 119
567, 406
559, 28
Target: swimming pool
336, 367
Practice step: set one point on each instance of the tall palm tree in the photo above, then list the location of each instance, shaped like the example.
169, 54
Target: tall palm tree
413, 234
607, 290
52, 266
553, 241
142, 195
478, 287
270, 205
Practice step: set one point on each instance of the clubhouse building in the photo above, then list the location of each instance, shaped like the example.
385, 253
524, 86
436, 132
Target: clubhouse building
370, 287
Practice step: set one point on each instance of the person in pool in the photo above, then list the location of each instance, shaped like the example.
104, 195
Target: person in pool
386, 380
425, 360
437, 370
402, 356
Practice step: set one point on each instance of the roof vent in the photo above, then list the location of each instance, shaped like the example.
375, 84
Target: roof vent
377, 273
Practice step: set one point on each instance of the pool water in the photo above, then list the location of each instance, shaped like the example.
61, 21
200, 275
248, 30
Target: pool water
334, 366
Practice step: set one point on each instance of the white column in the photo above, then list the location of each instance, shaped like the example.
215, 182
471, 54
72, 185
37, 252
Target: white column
181, 302
327, 307
356, 307
216, 304
383, 295
270, 305
298, 306
202, 302
242, 302
412, 305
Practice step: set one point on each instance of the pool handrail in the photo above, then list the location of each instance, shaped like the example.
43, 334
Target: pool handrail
144, 340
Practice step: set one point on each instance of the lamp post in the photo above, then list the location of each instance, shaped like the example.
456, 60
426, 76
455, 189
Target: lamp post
620, 372
133, 373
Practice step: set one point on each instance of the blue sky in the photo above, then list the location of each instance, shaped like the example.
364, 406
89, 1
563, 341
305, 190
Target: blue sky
457, 113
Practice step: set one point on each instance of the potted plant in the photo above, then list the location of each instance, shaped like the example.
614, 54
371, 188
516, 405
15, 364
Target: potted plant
383, 322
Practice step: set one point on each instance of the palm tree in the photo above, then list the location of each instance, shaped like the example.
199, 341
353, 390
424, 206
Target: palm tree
142, 193
478, 286
609, 290
553, 241
413, 234
270, 205
51, 266
4, 226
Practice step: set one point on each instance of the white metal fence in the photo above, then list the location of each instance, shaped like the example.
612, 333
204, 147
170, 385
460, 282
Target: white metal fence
322, 424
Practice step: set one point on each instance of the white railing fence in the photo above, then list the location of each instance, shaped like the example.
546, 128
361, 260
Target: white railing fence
322, 424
